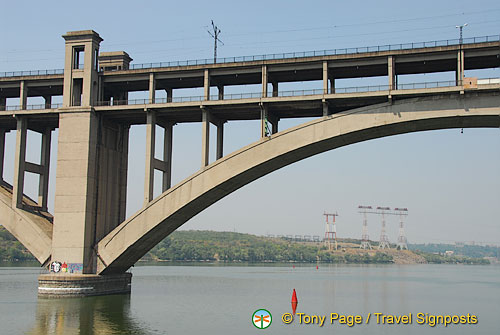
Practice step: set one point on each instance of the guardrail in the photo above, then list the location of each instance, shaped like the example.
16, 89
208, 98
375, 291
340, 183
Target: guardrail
287, 55
31, 73
331, 52
32, 107
258, 95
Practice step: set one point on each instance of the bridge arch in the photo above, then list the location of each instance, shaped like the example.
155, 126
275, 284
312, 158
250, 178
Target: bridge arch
128, 242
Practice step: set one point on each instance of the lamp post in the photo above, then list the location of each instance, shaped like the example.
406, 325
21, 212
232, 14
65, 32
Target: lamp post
461, 27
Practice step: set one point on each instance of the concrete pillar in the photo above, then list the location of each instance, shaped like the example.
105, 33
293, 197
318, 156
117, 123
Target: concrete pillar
19, 162
48, 101
2, 152
150, 156
152, 88
221, 91
326, 111
23, 95
76, 194
275, 88
264, 130
264, 81
3, 103
460, 68
205, 137
169, 92
391, 72
123, 170
167, 155
332, 84
43, 186
274, 122
206, 84
220, 140
325, 77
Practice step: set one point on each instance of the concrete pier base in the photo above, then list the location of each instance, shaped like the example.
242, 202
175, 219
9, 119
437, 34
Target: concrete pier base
82, 285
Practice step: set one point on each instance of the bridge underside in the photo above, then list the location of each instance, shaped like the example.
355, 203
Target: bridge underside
128, 242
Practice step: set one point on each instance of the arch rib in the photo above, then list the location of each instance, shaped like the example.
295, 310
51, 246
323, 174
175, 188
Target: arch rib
127, 243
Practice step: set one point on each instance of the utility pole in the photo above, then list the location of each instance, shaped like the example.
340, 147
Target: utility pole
365, 239
330, 234
215, 35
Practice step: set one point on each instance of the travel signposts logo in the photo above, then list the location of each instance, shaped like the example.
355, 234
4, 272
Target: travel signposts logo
262, 318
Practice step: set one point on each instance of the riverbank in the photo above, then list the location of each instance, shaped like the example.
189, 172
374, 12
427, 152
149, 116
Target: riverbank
228, 247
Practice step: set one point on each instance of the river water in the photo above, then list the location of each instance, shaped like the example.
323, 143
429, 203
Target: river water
215, 299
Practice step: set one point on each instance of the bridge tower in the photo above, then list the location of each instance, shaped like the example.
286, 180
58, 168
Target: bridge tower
365, 240
384, 240
330, 231
402, 241
91, 178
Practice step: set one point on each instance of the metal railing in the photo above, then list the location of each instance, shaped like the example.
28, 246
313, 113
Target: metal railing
258, 95
331, 52
287, 55
31, 73
289, 93
31, 107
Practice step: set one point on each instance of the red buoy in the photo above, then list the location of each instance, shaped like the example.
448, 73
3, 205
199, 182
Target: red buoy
317, 267
294, 266
295, 301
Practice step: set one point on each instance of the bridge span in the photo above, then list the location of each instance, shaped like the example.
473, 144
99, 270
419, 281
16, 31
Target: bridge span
88, 244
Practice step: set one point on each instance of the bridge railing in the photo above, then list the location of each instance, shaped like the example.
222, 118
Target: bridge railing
330, 52
289, 93
286, 55
33, 107
31, 73
258, 95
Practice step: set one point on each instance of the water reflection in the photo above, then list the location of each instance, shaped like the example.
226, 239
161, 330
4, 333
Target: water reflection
91, 315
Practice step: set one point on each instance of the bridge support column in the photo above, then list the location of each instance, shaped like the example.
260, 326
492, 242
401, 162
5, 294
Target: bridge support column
43, 170
90, 188
275, 88
19, 162
325, 77
205, 137
206, 84
326, 110
265, 118
220, 140
264, 81
23, 95
169, 92
220, 88
152, 163
2, 152
391, 72
3, 103
152, 88
48, 101
460, 68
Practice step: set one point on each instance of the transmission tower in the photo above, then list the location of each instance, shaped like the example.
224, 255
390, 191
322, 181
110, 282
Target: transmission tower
365, 240
215, 35
402, 241
330, 231
384, 240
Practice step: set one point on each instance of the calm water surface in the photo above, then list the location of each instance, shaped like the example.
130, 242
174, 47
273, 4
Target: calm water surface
213, 299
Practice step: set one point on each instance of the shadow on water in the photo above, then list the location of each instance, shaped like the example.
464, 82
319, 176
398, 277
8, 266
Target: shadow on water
90, 315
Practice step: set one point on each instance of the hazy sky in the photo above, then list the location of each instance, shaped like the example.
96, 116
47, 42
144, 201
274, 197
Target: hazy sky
449, 181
